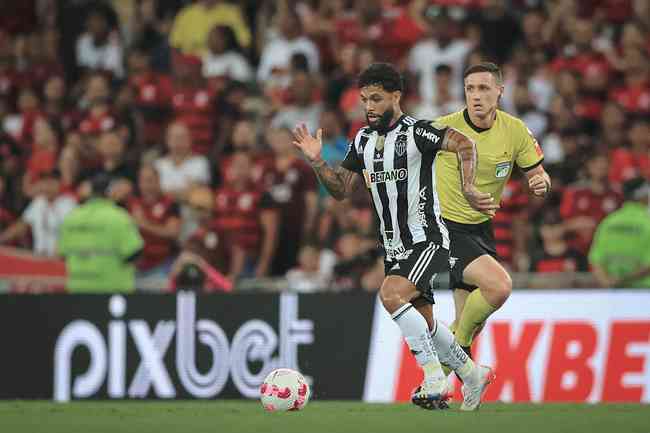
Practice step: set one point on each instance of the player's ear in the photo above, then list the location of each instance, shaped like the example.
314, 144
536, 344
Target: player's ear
397, 96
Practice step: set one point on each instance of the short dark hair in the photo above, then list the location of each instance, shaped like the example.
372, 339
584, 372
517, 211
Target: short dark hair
381, 74
485, 67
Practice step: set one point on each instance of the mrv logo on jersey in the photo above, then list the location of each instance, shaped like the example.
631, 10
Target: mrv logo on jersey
429, 135
255, 341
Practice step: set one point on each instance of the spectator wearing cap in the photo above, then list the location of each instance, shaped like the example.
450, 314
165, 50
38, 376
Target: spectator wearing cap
100, 242
99, 47
620, 256
43, 217
194, 22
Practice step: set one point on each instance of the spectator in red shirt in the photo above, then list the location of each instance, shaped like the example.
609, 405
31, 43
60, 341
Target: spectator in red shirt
293, 186
581, 57
634, 95
556, 254
21, 124
158, 218
247, 213
153, 93
55, 105
193, 102
613, 126
585, 204
634, 160
43, 156
42, 59
509, 225
207, 252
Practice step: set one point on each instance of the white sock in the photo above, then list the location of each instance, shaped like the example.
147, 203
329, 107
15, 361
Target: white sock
416, 333
450, 352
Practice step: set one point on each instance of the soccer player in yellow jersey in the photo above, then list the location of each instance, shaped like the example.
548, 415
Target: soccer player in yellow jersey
502, 142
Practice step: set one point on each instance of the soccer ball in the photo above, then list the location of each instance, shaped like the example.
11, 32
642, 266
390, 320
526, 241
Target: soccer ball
284, 389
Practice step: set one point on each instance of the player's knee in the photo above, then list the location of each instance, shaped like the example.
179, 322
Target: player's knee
503, 288
392, 297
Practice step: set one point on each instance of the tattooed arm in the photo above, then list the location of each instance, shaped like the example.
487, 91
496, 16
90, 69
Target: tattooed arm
338, 181
465, 149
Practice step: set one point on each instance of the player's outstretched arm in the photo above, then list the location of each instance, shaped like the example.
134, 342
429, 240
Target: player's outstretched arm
338, 181
465, 148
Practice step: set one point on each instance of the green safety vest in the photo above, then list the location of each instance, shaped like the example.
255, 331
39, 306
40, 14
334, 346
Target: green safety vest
96, 239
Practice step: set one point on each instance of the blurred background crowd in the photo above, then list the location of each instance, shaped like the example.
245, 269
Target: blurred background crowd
189, 106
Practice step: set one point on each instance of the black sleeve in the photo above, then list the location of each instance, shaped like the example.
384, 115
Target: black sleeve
429, 135
352, 161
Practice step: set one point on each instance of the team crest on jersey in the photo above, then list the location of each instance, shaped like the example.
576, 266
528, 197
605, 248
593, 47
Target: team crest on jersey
502, 170
400, 144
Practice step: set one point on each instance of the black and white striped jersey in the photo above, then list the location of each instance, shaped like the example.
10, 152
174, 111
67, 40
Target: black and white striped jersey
400, 175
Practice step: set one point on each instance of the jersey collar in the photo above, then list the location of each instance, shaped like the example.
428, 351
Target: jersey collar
471, 124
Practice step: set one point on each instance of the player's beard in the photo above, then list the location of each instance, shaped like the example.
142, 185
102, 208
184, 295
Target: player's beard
383, 123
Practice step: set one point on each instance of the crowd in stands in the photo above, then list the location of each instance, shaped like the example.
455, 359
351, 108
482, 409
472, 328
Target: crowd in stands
189, 106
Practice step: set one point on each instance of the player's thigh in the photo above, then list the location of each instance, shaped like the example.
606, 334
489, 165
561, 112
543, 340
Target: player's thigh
421, 266
488, 274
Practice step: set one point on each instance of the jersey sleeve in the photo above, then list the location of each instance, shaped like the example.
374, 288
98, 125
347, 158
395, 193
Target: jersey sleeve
429, 135
529, 154
352, 161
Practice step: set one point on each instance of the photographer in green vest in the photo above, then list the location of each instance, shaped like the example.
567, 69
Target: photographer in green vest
620, 251
100, 242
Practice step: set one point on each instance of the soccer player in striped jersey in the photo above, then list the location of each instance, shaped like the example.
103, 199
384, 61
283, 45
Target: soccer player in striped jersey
502, 141
394, 155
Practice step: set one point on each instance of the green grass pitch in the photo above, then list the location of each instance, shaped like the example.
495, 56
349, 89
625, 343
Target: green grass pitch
320, 416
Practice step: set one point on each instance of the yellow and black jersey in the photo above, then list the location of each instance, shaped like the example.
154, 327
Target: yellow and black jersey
506, 143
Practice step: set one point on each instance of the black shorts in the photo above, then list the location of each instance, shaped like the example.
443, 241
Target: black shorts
467, 243
420, 266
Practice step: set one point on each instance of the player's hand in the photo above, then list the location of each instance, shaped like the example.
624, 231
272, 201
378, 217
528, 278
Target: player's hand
309, 145
538, 185
481, 201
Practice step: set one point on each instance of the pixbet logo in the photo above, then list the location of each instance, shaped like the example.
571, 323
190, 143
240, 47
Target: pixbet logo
254, 341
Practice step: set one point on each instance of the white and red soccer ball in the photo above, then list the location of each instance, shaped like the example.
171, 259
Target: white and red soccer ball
283, 390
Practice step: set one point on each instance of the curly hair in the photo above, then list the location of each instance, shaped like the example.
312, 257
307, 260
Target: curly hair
381, 74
